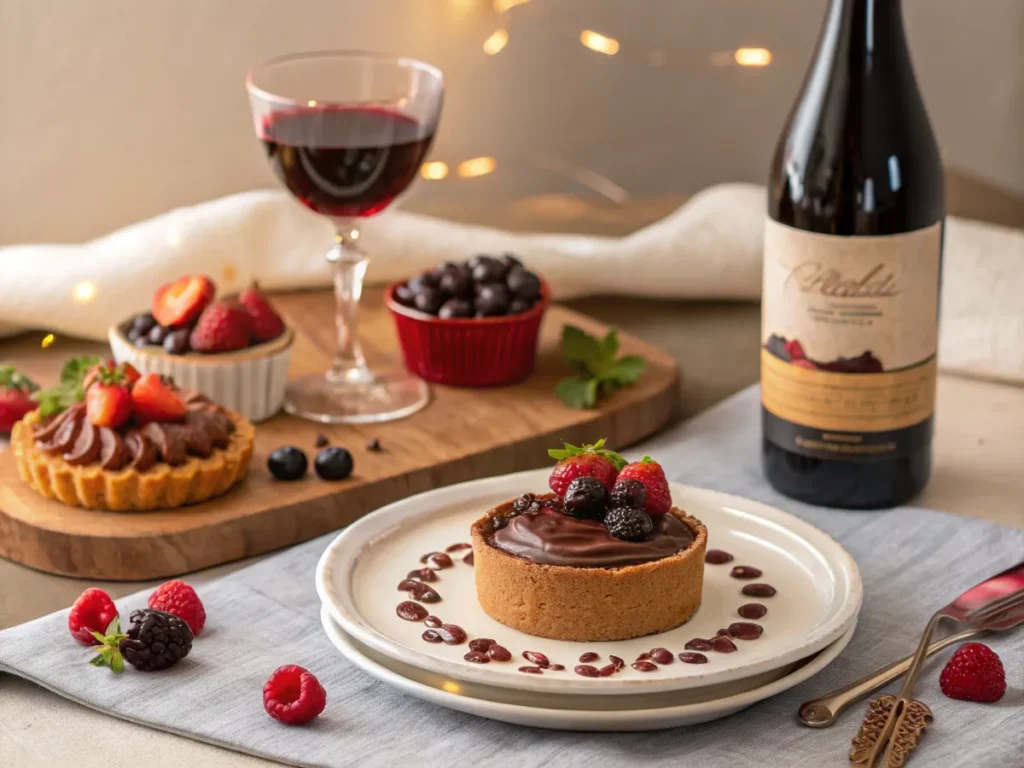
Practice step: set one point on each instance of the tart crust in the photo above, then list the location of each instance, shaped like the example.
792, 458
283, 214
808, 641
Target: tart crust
159, 487
588, 604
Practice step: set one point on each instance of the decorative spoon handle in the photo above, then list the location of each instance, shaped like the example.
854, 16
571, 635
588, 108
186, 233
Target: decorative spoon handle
825, 710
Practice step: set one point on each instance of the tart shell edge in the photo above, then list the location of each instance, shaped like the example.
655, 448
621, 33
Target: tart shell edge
128, 490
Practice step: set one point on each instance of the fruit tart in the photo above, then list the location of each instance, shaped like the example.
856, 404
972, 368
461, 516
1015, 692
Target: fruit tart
234, 350
120, 440
606, 556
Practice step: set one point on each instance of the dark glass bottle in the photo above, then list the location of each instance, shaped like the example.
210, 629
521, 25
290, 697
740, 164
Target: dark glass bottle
856, 206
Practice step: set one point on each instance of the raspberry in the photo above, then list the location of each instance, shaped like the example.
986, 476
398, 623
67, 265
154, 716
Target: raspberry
628, 524
650, 473
973, 673
584, 461
293, 695
92, 612
178, 598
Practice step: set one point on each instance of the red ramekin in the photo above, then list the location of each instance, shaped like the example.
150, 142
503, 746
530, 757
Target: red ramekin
469, 352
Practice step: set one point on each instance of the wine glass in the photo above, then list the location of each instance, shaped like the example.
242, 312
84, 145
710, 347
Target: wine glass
346, 132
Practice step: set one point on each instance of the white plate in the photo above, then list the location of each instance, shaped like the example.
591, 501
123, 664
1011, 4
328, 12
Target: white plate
457, 696
819, 592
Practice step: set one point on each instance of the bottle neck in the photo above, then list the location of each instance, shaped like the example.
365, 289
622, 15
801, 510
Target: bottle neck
868, 32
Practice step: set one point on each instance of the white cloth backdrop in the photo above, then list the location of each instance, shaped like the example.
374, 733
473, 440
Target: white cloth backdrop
708, 249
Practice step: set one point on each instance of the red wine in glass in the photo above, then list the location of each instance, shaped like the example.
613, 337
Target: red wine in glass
345, 161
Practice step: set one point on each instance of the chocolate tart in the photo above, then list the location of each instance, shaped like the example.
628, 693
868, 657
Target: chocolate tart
140, 470
582, 584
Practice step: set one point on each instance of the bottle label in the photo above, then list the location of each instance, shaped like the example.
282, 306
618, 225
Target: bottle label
849, 331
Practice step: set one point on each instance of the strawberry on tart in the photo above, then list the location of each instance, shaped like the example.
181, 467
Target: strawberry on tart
118, 440
604, 557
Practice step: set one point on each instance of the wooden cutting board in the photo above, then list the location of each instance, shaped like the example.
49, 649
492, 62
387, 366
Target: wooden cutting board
461, 435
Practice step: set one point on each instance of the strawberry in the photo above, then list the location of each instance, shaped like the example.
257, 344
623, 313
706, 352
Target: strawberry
224, 326
154, 400
583, 461
15, 397
108, 404
652, 476
266, 323
974, 673
131, 374
181, 302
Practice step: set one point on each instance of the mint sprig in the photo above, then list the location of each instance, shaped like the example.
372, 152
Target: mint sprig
69, 391
11, 379
108, 651
598, 372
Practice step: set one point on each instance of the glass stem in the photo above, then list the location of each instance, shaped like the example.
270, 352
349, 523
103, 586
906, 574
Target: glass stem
349, 264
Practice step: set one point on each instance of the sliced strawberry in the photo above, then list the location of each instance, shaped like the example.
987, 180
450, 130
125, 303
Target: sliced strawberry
15, 397
224, 326
108, 405
155, 400
266, 323
131, 374
181, 302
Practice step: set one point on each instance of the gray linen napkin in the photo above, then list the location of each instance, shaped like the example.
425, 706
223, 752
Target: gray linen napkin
912, 561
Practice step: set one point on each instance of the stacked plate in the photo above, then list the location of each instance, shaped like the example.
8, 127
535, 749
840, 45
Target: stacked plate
809, 621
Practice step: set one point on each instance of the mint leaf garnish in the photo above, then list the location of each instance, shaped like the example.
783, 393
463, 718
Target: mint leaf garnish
598, 372
69, 391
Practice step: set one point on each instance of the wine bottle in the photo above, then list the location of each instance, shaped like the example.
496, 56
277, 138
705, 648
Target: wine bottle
852, 262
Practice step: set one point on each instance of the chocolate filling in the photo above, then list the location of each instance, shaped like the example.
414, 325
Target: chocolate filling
73, 436
551, 538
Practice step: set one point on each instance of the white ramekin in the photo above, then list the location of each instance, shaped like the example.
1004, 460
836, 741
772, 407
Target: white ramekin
251, 381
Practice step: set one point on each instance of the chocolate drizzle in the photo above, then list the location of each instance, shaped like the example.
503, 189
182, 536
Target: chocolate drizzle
550, 538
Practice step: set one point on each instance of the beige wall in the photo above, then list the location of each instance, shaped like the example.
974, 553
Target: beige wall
112, 111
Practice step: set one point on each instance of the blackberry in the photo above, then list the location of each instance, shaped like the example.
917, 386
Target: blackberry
628, 524
629, 493
586, 497
156, 640
554, 503
523, 503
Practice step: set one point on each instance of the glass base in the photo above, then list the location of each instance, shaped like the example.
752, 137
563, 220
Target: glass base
383, 398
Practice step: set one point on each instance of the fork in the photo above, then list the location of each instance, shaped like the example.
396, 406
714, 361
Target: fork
973, 608
825, 710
